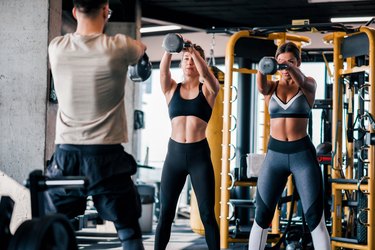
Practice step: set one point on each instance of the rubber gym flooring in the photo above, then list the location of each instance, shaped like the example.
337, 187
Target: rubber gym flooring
182, 238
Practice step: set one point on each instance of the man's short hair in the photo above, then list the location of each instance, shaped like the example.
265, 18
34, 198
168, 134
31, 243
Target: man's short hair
89, 6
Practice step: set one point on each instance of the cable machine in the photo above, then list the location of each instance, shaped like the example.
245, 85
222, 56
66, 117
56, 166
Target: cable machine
353, 210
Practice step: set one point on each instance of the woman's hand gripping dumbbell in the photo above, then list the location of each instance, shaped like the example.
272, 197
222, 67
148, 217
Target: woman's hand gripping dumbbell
174, 43
269, 66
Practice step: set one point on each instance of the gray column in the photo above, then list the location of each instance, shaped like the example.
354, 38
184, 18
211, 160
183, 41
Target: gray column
23, 96
133, 95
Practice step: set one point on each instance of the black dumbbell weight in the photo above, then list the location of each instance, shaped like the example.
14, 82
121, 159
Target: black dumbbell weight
174, 43
140, 71
52, 231
269, 66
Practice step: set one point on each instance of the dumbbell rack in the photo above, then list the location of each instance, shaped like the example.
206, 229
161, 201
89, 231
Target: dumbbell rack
349, 48
228, 181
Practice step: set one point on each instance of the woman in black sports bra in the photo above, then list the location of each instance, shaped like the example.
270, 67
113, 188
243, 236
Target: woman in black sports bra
290, 150
190, 106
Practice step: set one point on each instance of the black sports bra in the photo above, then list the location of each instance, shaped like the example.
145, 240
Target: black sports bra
198, 106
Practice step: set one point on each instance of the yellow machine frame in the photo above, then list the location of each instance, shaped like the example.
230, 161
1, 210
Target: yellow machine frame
337, 126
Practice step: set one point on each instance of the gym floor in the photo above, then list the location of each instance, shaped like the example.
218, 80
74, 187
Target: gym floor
182, 238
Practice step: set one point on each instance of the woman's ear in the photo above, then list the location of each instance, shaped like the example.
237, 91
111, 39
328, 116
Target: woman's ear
299, 62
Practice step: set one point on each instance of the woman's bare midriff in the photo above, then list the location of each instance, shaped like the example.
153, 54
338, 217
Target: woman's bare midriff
288, 129
188, 129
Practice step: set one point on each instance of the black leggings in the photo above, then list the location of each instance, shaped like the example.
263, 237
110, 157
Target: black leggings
282, 159
187, 159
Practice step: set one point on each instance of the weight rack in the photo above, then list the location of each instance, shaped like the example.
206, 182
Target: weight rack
357, 50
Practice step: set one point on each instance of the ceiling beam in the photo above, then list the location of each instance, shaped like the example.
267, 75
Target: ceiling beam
182, 18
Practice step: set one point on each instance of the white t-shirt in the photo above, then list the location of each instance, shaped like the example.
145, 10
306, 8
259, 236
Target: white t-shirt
89, 74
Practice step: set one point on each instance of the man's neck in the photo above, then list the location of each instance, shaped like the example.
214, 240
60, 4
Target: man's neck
87, 26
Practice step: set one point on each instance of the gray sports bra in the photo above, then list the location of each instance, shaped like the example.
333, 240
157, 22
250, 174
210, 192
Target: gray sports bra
297, 107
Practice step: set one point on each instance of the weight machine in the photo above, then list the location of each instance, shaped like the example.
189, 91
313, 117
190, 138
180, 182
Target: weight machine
353, 217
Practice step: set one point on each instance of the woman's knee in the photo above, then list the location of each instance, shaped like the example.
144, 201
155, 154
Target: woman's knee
166, 214
207, 213
313, 217
207, 218
263, 215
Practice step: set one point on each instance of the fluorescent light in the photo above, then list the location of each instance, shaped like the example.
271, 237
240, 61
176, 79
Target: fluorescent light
160, 28
332, 1
351, 19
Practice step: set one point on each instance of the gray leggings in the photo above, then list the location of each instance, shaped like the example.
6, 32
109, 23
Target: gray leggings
282, 159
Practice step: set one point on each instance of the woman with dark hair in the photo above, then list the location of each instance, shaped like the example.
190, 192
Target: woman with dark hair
190, 106
290, 150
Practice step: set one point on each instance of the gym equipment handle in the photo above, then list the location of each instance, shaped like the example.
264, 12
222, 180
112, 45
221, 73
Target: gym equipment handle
39, 182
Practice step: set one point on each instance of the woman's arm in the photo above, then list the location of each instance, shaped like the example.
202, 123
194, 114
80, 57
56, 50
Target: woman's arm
306, 83
264, 86
209, 80
166, 81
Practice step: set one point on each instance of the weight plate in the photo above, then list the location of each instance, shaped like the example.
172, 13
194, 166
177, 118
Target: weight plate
49, 232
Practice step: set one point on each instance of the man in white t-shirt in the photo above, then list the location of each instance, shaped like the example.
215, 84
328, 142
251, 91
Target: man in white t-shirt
89, 70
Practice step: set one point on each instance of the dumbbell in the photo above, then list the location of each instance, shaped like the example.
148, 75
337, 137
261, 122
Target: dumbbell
269, 66
174, 43
52, 231
140, 71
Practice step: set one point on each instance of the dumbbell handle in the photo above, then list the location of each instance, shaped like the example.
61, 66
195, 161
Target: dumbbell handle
269, 66
187, 44
282, 66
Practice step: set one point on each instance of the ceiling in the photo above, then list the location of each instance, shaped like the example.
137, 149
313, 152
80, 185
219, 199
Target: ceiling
203, 15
